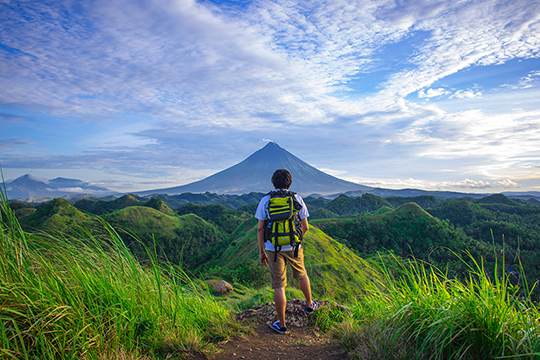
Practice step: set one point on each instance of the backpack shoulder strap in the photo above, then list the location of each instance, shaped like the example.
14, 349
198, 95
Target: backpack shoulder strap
297, 204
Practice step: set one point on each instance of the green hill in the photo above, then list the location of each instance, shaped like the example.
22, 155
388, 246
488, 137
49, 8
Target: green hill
160, 205
496, 199
21, 208
187, 240
335, 270
57, 215
207, 198
98, 207
321, 213
425, 201
460, 212
407, 230
345, 205
220, 215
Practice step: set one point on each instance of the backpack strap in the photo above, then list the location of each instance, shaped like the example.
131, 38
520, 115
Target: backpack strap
277, 247
296, 248
291, 232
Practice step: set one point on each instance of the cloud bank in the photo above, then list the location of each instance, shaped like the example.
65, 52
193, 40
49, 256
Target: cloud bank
324, 70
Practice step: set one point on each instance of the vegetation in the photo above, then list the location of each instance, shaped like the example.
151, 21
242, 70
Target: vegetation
420, 312
57, 216
344, 205
407, 231
72, 288
79, 296
336, 271
187, 240
223, 216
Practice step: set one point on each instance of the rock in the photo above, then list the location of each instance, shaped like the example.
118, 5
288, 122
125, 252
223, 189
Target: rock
220, 287
266, 313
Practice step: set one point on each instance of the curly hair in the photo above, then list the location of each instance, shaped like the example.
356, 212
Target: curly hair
282, 179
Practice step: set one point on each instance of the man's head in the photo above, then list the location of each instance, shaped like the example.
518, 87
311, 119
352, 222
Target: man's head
282, 179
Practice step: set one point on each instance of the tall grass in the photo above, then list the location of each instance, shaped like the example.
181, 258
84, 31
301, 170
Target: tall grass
73, 297
420, 312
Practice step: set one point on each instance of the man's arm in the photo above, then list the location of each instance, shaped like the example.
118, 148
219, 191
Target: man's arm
260, 241
305, 225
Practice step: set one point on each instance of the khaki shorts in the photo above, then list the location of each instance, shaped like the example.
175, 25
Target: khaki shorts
278, 268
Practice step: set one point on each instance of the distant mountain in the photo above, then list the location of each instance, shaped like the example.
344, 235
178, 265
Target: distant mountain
27, 187
253, 175
414, 193
436, 193
496, 199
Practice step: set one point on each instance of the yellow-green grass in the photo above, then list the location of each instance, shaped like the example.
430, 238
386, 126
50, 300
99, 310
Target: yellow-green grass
335, 270
78, 297
420, 312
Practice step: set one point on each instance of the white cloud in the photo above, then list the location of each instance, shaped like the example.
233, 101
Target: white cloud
184, 61
526, 82
429, 93
466, 94
271, 66
333, 172
474, 185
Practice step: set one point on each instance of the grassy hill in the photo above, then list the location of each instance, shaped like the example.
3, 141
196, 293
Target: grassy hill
187, 240
496, 199
98, 207
160, 205
334, 270
57, 215
407, 230
73, 298
344, 205
225, 217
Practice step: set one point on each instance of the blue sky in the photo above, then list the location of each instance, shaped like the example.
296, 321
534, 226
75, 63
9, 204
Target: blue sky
137, 95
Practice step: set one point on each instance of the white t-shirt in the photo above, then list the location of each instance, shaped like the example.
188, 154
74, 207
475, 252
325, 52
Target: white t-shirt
262, 214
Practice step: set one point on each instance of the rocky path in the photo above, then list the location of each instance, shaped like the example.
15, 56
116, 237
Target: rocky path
302, 342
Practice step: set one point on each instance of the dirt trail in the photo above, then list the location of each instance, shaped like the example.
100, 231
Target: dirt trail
302, 342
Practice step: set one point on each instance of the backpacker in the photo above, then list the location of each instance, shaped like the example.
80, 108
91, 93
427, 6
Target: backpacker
283, 226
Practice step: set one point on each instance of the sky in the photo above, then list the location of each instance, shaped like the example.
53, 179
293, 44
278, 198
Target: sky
440, 95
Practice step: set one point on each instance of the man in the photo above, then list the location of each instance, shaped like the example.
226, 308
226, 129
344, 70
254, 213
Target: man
277, 259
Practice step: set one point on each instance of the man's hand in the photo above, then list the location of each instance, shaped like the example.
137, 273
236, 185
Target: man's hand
264, 258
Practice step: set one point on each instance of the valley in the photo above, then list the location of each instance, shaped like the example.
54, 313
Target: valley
357, 248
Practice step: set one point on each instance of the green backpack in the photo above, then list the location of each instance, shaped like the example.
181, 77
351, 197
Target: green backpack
283, 226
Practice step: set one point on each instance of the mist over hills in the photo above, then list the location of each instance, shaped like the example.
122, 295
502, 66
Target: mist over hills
27, 187
249, 177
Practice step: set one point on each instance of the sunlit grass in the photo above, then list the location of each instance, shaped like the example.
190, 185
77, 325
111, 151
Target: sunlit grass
78, 296
419, 311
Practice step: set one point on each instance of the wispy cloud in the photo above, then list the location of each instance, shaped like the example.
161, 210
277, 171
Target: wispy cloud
466, 94
198, 70
430, 93
476, 185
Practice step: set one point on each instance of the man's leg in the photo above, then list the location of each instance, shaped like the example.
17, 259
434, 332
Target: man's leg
305, 286
279, 283
300, 273
281, 304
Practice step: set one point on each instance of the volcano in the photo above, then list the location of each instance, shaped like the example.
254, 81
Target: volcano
254, 173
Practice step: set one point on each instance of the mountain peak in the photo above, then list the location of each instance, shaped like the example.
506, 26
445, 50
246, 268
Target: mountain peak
254, 174
59, 178
25, 179
271, 146
29, 187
